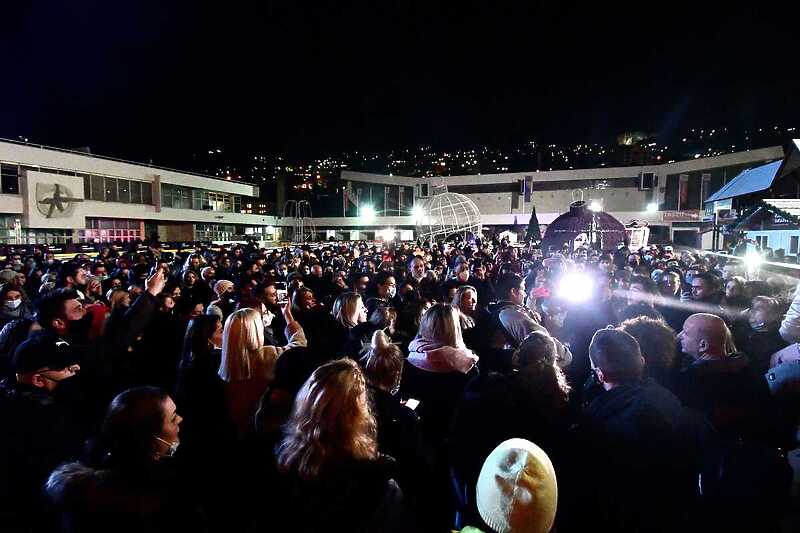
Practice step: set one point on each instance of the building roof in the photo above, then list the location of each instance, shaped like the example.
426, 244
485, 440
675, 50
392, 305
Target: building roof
749, 181
768, 214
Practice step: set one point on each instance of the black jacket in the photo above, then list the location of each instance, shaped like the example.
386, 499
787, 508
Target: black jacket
40, 430
632, 435
733, 396
354, 496
146, 499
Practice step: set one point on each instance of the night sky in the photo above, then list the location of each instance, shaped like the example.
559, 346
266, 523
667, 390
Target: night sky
162, 79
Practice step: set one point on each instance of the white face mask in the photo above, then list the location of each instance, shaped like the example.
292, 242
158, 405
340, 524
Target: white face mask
13, 304
392, 292
173, 447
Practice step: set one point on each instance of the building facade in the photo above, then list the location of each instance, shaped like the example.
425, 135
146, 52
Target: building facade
667, 197
57, 196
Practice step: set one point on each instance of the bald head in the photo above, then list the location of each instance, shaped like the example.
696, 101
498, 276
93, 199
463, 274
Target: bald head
704, 336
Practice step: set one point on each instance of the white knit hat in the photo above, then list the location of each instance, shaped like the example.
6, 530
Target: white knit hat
517, 490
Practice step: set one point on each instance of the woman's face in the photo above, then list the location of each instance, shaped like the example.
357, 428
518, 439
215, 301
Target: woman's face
469, 300
170, 421
176, 293
197, 310
126, 300
216, 337
361, 312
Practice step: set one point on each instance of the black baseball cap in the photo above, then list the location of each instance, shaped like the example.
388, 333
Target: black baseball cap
46, 350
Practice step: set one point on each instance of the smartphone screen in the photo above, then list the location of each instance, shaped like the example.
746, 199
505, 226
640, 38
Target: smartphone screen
412, 404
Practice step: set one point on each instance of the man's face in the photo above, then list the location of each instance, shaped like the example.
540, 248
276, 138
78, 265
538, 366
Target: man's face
518, 295
701, 291
316, 271
669, 284
688, 337
73, 310
637, 293
195, 262
190, 278
271, 295
80, 277
388, 287
100, 271
729, 271
418, 268
209, 275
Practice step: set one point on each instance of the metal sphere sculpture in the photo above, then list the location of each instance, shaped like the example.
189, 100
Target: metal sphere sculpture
446, 214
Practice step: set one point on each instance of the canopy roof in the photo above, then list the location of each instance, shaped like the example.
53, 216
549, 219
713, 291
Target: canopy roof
752, 180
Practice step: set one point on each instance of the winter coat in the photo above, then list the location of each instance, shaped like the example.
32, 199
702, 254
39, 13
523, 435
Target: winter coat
40, 430
632, 435
353, 496
142, 500
436, 376
25, 310
733, 396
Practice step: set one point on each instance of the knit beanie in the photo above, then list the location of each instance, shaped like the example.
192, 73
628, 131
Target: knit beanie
517, 490
221, 286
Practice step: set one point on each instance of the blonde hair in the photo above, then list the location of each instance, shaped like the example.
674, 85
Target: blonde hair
331, 421
383, 362
344, 309
116, 297
242, 340
441, 324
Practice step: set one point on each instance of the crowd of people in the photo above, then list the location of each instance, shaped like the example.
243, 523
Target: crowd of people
397, 387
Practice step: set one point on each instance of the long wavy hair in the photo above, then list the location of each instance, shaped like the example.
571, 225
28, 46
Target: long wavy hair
331, 421
242, 340
345, 309
538, 379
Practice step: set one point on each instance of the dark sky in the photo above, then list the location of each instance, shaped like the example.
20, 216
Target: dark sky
160, 79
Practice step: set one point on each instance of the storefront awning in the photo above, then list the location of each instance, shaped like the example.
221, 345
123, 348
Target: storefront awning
753, 180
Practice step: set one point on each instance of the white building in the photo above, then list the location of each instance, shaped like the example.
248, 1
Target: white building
669, 197
57, 196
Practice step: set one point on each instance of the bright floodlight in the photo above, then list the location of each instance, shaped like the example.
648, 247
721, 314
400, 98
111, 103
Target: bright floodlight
367, 213
595, 206
417, 212
652, 207
575, 287
753, 260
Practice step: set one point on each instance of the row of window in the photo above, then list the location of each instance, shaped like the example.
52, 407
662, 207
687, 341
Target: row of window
179, 197
105, 189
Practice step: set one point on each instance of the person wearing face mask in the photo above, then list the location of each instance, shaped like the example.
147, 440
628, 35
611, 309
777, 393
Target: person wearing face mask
44, 423
131, 479
756, 332
14, 304
225, 303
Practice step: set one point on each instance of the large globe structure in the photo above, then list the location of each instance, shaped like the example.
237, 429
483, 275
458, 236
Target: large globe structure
446, 214
596, 228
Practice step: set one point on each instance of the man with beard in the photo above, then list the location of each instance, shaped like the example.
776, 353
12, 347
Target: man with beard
106, 362
43, 422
